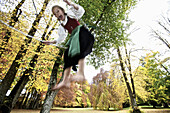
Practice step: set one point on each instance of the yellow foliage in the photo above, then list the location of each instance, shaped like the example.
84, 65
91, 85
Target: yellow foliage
140, 84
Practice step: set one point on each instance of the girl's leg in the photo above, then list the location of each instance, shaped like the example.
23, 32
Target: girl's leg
79, 77
66, 80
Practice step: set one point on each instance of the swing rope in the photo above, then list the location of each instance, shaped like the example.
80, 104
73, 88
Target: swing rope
57, 45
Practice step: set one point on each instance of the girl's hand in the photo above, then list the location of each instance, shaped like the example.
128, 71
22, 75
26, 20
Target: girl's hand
49, 42
70, 4
66, 1
46, 42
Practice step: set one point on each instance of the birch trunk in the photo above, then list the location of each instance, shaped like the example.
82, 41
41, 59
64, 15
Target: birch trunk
132, 99
53, 79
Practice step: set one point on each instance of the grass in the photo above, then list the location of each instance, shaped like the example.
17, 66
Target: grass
67, 110
146, 109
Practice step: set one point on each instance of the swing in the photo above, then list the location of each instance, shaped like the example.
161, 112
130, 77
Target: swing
57, 45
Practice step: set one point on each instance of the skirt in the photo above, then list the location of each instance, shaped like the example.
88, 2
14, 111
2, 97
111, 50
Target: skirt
86, 40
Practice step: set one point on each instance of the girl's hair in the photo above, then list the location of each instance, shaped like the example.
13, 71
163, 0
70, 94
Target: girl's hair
59, 8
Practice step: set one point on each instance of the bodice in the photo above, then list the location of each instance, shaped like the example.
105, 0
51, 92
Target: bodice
71, 24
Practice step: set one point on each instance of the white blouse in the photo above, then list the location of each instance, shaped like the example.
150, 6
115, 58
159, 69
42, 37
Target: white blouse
72, 13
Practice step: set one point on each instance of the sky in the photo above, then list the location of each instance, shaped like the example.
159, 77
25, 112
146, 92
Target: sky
144, 16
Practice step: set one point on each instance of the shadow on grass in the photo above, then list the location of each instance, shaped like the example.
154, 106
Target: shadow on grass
59, 110
150, 107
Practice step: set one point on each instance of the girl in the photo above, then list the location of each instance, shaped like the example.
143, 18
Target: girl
79, 45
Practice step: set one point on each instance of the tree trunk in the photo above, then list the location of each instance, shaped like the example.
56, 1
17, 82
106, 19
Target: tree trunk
165, 105
132, 99
132, 81
14, 95
53, 79
29, 101
9, 78
20, 105
33, 98
36, 102
26, 100
13, 21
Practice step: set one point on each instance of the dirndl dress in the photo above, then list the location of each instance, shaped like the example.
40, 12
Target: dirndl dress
85, 43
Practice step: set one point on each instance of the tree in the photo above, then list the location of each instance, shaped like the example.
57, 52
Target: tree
13, 20
130, 90
29, 71
139, 76
76, 96
106, 24
53, 80
107, 91
109, 25
7, 81
157, 81
164, 24
66, 97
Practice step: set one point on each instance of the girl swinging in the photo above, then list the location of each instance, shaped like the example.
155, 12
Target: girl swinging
79, 44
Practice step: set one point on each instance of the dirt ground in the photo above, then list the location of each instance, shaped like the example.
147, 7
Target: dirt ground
89, 110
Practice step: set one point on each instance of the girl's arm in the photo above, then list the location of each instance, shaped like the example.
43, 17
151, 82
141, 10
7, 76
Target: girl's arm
50, 42
70, 4
62, 34
75, 11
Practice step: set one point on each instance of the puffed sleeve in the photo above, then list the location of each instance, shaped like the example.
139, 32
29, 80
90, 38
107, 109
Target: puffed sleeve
78, 13
62, 35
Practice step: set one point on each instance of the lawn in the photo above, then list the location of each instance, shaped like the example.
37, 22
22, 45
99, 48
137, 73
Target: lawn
67, 110
146, 109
